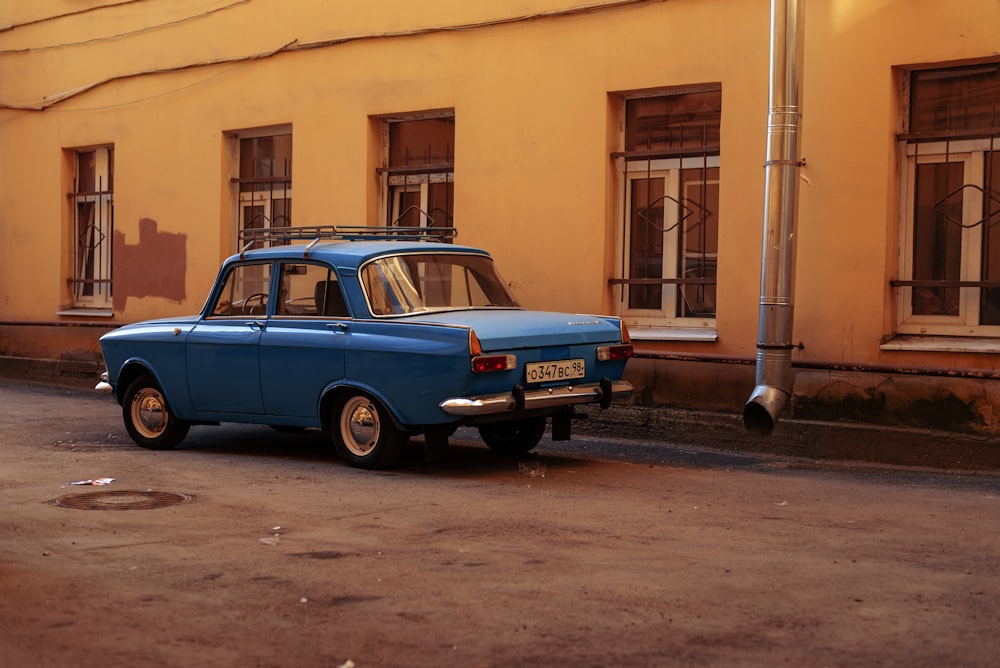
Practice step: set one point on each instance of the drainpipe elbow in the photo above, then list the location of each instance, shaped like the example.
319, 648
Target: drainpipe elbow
763, 409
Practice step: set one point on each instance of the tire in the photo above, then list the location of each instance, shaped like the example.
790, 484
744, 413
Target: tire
514, 437
148, 419
364, 434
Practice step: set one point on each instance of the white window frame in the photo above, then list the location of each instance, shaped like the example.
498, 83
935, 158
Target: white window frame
398, 185
103, 224
264, 198
971, 153
670, 170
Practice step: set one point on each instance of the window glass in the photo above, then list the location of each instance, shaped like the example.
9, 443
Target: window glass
265, 158
310, 290
937, 239
646, 242
955, 99
244, 292
423, 142
990, 307
424, 282
671, 122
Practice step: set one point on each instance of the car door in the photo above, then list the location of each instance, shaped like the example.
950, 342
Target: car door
302, 348
223, 349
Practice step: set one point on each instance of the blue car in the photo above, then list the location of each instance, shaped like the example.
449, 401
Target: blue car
372, 334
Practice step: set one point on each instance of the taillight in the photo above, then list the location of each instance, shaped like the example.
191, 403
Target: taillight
618, 352
487, 363
614, 353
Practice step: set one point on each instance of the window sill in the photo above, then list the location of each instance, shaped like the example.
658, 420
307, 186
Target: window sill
673, 333
88, 312
942, 344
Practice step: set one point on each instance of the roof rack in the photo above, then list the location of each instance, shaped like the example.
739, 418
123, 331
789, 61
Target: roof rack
395, 233
316, 233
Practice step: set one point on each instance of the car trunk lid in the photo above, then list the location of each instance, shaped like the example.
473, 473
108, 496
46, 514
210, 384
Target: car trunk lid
514, 329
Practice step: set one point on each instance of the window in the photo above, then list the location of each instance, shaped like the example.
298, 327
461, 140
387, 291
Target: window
403, 284
264, 181
310, 290
669, 182
949, 252
93, 227
244, 292
418, 180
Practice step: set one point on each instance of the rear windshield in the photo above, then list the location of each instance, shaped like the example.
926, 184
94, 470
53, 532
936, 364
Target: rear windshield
420, 282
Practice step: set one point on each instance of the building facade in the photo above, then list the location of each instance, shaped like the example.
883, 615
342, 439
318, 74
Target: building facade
609, 154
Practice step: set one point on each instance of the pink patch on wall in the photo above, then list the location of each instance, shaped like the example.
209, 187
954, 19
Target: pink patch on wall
154, 267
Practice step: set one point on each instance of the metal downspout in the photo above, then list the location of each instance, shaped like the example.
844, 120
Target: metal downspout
781, 181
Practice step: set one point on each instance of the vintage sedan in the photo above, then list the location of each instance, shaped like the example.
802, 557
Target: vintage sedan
372, 334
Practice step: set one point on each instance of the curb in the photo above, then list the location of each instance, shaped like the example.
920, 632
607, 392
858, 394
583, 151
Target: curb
807, 439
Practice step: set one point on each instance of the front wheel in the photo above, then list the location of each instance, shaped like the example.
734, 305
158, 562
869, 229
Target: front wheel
514, 437
148, 419
364, 433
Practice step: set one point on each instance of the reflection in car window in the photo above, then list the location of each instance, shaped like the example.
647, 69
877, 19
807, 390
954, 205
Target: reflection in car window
433, 282
244, 292
310, 290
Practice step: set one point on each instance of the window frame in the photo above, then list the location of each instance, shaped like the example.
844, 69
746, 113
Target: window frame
96, 273
396, 181
241, 202
970, 148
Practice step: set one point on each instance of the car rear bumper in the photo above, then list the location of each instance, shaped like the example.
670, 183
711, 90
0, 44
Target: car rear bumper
551, 397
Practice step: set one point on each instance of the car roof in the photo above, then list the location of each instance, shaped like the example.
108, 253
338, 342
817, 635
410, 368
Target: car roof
352, 253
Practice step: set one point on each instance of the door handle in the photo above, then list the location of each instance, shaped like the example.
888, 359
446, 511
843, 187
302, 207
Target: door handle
337, 327
255, 324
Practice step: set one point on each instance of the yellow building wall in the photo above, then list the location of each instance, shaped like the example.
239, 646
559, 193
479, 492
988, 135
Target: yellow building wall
532, 84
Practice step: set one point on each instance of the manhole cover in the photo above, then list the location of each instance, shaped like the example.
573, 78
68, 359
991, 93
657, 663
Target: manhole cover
121, 500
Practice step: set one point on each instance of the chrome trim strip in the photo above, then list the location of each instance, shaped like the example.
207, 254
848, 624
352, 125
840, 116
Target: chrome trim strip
550, 397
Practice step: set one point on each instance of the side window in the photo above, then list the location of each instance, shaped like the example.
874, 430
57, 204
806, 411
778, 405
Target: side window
93, 227
669, 226
310, 290
418, 176
244, 292
949, 256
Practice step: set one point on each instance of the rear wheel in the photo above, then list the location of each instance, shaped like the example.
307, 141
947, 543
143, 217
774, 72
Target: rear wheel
147, 416
364, 433
514, 437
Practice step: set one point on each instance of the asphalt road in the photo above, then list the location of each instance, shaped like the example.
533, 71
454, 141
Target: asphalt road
246, 547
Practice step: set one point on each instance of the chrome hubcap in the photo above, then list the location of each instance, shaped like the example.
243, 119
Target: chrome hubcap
149, 412
360, 425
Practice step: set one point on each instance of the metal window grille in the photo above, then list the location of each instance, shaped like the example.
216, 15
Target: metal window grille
92, 203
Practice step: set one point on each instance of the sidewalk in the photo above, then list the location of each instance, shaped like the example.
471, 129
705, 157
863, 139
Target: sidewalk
719, 431
808, 439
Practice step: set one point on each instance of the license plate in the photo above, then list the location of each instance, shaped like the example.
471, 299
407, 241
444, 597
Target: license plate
544, 372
